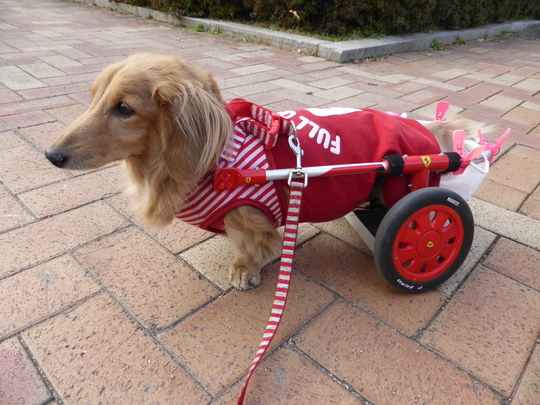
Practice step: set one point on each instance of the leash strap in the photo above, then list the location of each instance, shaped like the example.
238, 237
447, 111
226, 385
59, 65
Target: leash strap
284, 278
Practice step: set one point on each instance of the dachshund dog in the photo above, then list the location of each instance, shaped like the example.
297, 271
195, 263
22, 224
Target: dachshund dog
166, 120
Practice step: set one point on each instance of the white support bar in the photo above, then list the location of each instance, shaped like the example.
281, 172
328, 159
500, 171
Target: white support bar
361, 229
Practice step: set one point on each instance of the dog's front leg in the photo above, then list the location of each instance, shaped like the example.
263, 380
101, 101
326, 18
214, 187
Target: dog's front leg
255, 241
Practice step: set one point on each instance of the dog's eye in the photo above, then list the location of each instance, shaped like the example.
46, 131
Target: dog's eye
124, 109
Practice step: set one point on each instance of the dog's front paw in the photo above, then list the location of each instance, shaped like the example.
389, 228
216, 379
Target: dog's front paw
243, 277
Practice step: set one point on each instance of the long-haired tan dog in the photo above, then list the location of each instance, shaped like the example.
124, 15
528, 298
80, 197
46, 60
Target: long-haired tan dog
166, 120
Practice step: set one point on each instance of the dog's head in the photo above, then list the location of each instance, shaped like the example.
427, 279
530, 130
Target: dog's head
154, 108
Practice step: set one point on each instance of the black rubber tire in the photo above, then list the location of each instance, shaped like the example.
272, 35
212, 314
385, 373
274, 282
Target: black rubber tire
423, 239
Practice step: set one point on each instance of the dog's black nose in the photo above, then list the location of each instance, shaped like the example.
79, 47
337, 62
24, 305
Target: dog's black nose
57, 159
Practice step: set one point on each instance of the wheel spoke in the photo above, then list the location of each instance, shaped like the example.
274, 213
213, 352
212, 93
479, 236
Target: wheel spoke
450, 232
409, 236
446, 250
406, 254
440, 220
432, 264
415, 266
423, 222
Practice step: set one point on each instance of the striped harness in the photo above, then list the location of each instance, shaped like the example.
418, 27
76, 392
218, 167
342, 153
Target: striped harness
254, 133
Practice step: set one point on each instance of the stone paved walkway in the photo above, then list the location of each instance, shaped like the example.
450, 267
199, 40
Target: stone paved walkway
96, 308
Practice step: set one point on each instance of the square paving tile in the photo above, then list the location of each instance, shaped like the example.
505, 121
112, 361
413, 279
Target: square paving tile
501, 194
42, 291
65, 195
384, 366
20, 382
42, 136
219, 342
512, 169
528, 392
153, 284
507, 223
12, 213
516, 261
100, 353
288, 376
53, 236
531, 207
37, 170
500, 312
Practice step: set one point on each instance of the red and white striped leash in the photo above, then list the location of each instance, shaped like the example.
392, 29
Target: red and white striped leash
290, 234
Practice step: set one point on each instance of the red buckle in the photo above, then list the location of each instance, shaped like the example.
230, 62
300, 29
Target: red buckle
228, 178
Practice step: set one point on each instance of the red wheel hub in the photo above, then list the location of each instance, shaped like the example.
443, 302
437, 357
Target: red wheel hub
428, 243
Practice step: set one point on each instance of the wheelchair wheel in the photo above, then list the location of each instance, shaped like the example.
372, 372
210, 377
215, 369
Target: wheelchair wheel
423, 239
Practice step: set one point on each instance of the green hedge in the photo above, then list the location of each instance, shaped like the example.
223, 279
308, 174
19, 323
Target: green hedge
354, 17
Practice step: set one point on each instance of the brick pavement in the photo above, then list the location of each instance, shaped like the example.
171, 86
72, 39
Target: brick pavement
97, 308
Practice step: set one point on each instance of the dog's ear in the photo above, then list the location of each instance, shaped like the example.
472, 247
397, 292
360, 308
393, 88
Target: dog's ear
212, 87
194, 126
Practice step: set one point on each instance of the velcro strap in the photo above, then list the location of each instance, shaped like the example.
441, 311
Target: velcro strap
454, 162
396, 164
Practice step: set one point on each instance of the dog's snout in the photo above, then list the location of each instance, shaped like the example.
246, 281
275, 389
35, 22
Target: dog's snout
56, 158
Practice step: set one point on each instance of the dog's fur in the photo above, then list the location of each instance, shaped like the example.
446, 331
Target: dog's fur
166, 120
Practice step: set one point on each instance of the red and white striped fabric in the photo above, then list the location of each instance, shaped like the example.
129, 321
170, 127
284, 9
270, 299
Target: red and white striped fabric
261, 122
206, 207
284, 279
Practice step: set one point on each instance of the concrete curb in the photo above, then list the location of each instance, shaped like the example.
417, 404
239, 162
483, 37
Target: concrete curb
347, 51
342, 52
278, 39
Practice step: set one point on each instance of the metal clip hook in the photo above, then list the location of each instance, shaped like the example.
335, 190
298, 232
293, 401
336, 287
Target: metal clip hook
294, 143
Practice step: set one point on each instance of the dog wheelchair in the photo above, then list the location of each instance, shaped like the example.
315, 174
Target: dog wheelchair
423, 239
418, 243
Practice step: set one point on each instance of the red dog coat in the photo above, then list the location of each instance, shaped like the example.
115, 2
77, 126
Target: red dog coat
328, 136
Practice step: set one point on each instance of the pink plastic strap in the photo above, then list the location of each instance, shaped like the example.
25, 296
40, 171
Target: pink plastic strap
440, 111
494, 147
458, 145
458, 142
